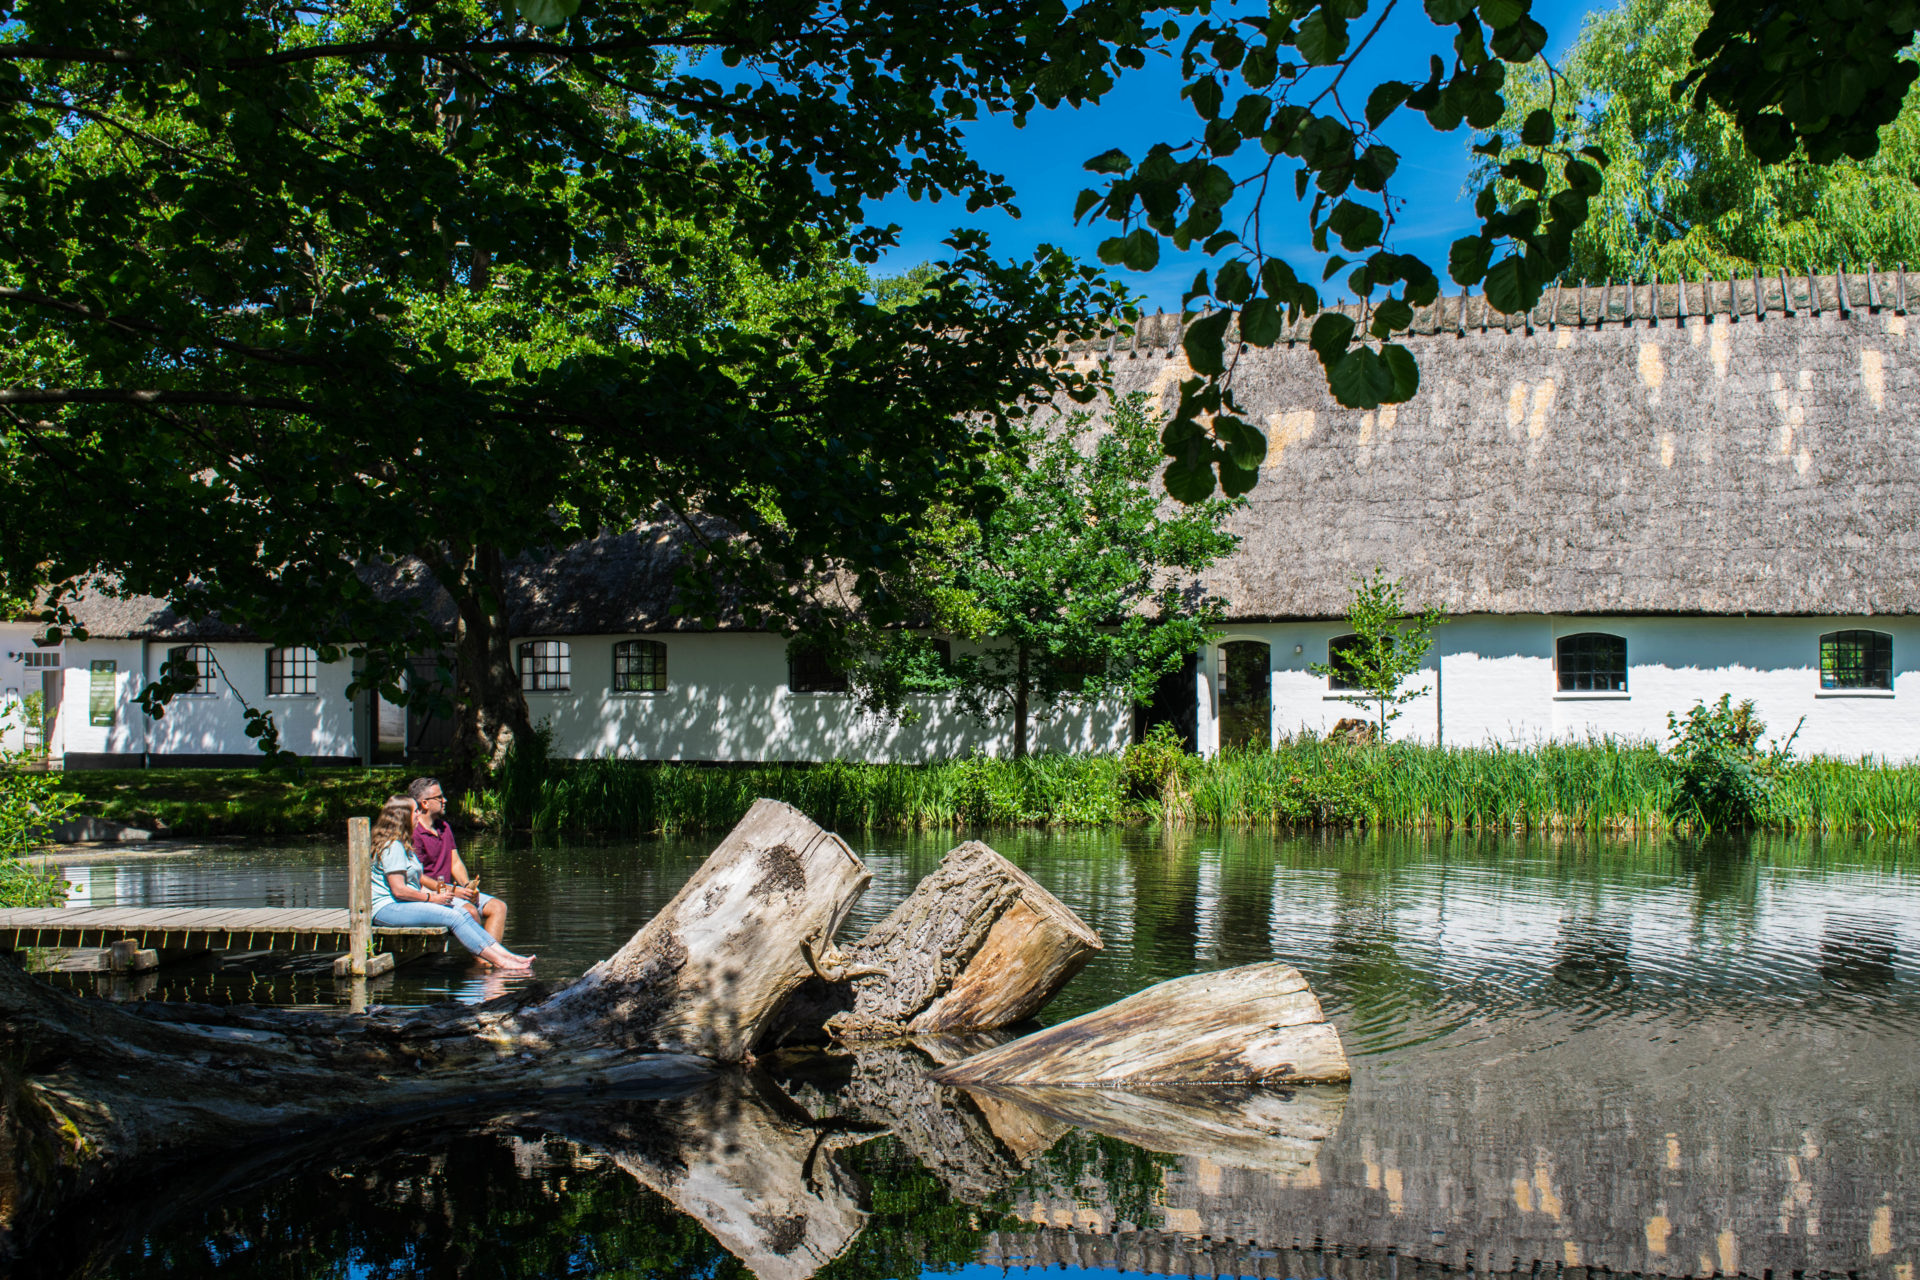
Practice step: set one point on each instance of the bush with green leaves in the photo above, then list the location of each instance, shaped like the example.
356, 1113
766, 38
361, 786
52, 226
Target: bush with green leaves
30, 802
1725, 778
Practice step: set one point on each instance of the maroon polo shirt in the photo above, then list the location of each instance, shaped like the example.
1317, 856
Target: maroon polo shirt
435, 847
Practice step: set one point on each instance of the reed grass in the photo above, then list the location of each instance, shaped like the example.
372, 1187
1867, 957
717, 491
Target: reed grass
1602, 786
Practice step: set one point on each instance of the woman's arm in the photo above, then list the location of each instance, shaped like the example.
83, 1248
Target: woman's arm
404, 892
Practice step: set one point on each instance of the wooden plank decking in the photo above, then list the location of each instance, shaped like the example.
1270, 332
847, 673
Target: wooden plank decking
189, 929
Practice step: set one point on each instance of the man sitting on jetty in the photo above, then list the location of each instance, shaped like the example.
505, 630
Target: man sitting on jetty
440, 859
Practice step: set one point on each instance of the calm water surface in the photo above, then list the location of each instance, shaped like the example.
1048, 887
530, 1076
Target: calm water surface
1645, 1057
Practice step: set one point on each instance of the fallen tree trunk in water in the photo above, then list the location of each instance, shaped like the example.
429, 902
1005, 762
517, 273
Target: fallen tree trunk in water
1258, 1024
978, 944
88, 1088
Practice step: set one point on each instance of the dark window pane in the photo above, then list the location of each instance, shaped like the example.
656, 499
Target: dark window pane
640, 666
1591, 662
811, 669
1339, 656
546, 666
1856, 660
196, 662
292, 671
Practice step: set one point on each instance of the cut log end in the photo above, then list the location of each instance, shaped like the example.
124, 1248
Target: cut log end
1258, 1024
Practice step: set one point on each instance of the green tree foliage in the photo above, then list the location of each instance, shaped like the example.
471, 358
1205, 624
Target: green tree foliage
292, 293
1077, 586
1390, 644
1684, 194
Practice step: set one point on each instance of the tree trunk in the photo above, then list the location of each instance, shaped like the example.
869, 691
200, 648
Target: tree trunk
1258, 1024
490, 708
701, 979
978, 944
1020, 694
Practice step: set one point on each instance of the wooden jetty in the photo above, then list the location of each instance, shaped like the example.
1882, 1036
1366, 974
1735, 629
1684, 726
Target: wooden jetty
138, 938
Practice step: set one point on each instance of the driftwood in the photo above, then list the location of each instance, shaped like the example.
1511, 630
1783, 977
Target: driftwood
978, 944
1258, 1024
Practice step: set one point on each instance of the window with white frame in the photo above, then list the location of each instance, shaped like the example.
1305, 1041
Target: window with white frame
292, 672
1591, 662
193, 663
639, 666
41, 660
1856, 660
546, 666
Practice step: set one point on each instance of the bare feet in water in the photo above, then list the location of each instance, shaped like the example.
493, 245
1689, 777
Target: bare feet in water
501, 958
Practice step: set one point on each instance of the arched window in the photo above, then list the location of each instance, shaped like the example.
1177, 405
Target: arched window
1856, 660
292, 673
195, 663
811, 668
639, 666
1340, 651
1591, 662
546, 666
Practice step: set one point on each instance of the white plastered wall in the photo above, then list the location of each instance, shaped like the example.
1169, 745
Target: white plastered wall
1490, 680
317, 724
727, 699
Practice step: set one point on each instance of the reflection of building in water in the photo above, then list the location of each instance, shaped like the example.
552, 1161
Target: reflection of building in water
1858, 956
1593, 957
1434, 1181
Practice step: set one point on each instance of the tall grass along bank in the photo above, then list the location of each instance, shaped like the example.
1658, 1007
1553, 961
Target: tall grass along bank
1598, 786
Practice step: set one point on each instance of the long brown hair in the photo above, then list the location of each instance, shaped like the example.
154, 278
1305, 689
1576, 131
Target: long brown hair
394, 823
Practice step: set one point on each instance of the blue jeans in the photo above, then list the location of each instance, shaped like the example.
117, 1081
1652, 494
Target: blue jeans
431, 915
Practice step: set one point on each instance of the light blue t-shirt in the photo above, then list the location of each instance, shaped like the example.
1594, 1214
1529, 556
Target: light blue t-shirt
395, 857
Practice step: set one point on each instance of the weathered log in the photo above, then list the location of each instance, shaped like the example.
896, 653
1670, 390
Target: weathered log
706, 973
978, 944
694, 986
1258, 1127
1258, 1024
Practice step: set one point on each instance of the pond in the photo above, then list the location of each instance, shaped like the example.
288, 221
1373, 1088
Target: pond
1567, 1053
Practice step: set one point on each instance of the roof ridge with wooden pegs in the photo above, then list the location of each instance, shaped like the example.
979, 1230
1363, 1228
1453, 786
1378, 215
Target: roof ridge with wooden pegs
1759, 296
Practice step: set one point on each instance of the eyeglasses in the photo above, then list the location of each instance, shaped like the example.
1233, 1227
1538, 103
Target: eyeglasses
434, 796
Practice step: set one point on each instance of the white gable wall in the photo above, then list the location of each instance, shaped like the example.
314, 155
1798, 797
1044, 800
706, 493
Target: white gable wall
1491, 680
727, 699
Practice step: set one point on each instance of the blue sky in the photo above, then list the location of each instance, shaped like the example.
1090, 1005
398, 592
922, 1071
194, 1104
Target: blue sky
1043, 162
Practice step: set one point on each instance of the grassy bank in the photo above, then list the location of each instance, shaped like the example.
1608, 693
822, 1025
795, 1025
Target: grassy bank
1603, 787
203, 803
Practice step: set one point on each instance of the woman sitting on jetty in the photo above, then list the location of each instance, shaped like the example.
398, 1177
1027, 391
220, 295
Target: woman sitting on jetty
400, 901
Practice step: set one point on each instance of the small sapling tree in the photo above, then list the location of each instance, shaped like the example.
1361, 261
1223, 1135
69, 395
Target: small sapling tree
1386, 649
1077, 586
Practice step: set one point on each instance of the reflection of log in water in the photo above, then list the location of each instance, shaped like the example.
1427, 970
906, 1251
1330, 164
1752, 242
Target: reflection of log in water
1269, 1130
747, 1164
973, 1149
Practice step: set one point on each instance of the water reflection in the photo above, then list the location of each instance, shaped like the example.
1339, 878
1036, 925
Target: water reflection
1644, 1056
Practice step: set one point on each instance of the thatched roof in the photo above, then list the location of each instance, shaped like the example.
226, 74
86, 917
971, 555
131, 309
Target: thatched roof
1732, 464
1726, 447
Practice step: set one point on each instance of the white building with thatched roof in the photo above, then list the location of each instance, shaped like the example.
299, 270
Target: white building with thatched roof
1630, 500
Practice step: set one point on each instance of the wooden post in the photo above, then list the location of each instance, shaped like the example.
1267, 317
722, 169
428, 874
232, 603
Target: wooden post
359, 895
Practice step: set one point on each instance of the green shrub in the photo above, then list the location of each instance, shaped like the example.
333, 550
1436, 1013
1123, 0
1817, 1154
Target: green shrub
1723, 777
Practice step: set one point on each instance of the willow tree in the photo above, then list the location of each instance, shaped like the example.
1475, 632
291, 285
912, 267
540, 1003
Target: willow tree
1684, 193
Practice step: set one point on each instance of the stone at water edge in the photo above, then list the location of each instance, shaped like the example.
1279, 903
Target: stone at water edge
1258, 1024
